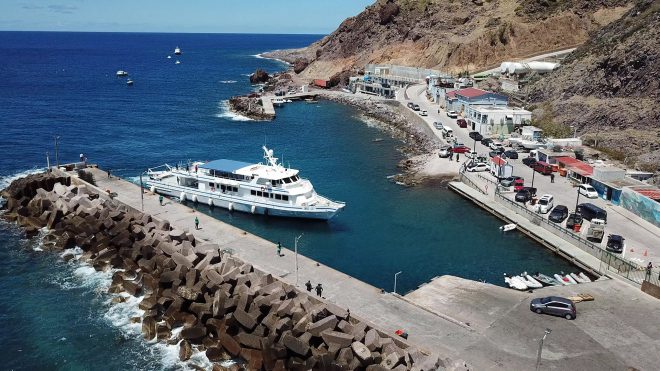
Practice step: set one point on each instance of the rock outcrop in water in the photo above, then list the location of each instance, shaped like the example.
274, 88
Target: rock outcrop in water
221, 305
259, 77
249, 106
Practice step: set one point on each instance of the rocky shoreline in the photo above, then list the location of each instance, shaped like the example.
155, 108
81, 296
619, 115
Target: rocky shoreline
195, 295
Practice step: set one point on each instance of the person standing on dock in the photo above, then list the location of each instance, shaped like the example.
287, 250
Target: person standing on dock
279, 249
160, 200
649, 268
552, 177
319, 290
196, 223
457, 156
308, 285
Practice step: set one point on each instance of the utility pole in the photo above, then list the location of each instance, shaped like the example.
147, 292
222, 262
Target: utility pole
141, 193
295, 249
538, 357
47, 163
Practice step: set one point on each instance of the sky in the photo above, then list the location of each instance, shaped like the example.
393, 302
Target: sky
212, 16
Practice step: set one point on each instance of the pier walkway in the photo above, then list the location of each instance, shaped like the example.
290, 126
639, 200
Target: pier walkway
267, 100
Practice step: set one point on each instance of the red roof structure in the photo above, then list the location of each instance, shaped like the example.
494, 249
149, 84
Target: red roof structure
650, 192
471, 92
497, 160
575, 165
452, 94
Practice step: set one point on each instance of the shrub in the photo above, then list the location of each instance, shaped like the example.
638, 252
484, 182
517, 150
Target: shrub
86, 176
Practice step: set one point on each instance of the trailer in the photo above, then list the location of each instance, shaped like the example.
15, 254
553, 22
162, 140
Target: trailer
322, 83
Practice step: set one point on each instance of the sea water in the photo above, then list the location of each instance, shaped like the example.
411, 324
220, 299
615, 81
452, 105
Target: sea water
57, 315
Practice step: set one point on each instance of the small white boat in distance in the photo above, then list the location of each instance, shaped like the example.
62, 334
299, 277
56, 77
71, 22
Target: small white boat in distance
278, 102
268, 189
177, 51
169, 57
121, 73
177, 62
508, 227
129, 82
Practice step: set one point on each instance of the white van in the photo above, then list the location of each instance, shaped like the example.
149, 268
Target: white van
447, 132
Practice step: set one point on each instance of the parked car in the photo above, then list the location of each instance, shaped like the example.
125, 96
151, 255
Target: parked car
416, 107
452, 114
518, 184
523, 196
554, 305
486, 141
475, 135
531, 190
615, 243
508, 182
529, 161
590, 211
461, 123
511, 154
423, 113
437, 125
573, 220
543, 167
558, 214
461, 149
496, 152
495, 145
546, 202
587, 190
445, 151
478, 167
411, 105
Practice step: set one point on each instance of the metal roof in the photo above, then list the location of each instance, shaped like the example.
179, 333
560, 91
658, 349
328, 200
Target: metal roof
228, 166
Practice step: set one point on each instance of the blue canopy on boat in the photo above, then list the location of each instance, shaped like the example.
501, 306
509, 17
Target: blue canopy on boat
228, 166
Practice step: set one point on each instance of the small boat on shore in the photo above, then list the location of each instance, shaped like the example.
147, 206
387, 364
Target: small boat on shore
530, 281
278, 102
584, 277
546, 280
508, 227
515, 282
121, 73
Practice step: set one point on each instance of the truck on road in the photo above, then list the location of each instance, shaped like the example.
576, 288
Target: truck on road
596, 230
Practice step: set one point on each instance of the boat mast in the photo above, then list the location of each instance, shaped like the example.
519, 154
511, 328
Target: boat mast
272, 161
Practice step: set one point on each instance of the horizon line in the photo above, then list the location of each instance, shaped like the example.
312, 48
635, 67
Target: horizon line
166, 32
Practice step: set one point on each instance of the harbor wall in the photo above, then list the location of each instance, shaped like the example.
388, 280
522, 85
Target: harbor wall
198, 296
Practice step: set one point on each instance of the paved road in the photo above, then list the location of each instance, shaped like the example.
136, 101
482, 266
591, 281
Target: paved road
530, 59
642, 237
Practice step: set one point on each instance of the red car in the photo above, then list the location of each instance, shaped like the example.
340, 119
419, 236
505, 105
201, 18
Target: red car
518, 184
461, 149
461, 123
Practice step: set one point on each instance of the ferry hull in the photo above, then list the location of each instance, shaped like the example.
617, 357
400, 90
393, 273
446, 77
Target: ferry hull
242, 205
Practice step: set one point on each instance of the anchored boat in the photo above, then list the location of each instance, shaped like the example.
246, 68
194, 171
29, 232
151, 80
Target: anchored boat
268, 189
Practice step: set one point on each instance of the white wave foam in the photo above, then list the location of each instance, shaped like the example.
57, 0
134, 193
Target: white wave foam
228, 81
246, 74
371, 122
6, 180
259, 56
225, 112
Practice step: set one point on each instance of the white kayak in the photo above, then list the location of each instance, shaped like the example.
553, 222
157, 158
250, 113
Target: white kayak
508, 227
584, 277
578, 279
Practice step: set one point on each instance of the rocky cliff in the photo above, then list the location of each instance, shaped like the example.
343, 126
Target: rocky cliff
453, 35
609, 87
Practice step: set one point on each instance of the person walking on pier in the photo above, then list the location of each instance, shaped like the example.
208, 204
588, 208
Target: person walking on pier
308, 285
160, 200
457, 156
319, 290
109, 176
552, 177
196, 223
649, 268
279, 249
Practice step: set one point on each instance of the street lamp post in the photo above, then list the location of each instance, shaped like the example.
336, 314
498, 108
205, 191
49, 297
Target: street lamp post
295, 253
533, 173
538, 357
141, 193
395, 275
577, 199
57, 152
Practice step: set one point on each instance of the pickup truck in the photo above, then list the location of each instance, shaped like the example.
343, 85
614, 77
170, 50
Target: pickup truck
596, 230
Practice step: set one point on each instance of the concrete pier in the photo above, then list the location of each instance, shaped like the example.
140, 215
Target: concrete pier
267, 100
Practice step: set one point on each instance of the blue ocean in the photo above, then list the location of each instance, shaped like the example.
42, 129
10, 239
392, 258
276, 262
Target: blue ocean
56, 315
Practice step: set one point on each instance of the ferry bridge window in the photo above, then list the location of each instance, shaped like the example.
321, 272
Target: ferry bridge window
278, 196
287, 180
253, 192
285, 198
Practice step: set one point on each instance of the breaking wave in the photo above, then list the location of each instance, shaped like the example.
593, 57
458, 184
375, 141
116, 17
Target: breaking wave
225, 112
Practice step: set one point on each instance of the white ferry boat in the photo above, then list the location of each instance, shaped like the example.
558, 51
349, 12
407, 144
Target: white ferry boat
268, 189
177, 51
121, 73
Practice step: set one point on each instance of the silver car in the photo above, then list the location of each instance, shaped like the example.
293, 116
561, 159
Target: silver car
555, 305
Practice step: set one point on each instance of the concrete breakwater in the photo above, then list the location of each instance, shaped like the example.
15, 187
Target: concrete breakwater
197, 296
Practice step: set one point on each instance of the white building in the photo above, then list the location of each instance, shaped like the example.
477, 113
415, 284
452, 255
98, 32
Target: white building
490, 120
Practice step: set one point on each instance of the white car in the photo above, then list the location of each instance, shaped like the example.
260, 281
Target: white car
438, 125
452, 114
546, 203
495, 145
587, 190
424, 113
478, 167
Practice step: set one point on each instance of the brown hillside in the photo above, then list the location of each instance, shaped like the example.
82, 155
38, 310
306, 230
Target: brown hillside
455, 35
609, 87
